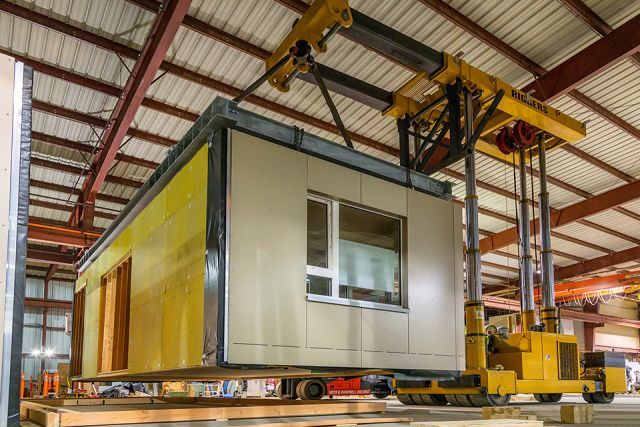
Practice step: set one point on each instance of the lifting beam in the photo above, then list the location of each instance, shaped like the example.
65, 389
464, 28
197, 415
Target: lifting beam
422, 101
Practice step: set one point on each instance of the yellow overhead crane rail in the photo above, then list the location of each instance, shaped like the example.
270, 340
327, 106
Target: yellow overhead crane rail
424, 94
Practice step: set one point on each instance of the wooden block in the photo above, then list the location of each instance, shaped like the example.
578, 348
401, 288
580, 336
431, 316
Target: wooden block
489, 411
576, 414
478, 423
513, 417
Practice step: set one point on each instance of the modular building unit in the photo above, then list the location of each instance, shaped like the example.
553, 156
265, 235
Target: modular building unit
258, 250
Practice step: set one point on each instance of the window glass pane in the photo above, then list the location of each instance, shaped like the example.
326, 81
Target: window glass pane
317, 239
318, 285
369, 247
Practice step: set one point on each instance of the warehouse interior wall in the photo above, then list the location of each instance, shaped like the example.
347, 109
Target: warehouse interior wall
614, 336
271, 320
56, 339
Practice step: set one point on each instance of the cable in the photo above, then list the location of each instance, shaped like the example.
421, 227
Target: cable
515, 202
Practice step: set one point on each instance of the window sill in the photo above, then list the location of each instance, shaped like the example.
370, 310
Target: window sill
356, 303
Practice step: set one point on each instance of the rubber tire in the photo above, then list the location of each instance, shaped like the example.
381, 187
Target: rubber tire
465, 400
451, 399
405, 399
553, 397
381, 395
490, 400
548, 397
603, 398
299, 390
312, 389
588, 397
433, 399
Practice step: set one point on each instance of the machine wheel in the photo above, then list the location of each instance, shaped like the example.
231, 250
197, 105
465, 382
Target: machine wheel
490, 400
311, 389
279, 392
405, 399
588, 397
598, 397
548, 398
451, 399
433, 399
380, 395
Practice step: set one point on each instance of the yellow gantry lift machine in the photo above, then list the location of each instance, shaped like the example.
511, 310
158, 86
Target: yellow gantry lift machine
445, 112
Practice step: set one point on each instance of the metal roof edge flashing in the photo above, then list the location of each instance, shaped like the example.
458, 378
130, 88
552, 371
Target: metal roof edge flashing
223, 113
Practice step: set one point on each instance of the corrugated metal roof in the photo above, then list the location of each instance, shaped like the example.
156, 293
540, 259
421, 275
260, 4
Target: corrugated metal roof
543, 30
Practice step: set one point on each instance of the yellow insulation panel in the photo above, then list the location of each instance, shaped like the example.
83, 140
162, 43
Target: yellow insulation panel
167, 245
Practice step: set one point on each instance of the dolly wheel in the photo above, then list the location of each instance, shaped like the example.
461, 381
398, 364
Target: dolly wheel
405, 399
598, 397
451, 399
548, 398
311, 389
433, 399
490, 400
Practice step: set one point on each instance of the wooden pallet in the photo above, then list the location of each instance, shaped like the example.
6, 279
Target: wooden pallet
94, 412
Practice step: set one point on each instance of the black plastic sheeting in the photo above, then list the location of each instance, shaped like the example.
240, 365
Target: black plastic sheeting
215, 269
13, 337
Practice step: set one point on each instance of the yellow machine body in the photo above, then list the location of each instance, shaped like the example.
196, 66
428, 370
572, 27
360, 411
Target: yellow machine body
423, 89
321, 16
533, 363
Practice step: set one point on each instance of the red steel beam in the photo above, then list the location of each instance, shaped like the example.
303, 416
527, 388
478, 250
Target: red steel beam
49, 256
577, 211
74, 191
592, 20
80, 117
67, 208
76, 170
589, 62
97, 85
58, 235
595, 264
160, 38
86, 148
47, 303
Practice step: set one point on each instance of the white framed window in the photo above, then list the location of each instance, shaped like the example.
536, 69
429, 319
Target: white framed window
354, 255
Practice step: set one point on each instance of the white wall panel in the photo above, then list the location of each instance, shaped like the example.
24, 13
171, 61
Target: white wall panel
384, 195
270, 320
433, 327
333, 326
337, 181
268, 209
385, 331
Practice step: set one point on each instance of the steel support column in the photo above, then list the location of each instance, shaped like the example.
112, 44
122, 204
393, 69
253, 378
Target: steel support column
549, 312
475, 347
527, 305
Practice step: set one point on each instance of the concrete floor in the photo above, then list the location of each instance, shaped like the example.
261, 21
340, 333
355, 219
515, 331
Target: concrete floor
625, 411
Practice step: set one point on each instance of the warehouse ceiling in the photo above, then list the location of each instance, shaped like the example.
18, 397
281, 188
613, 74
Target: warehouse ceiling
84, 51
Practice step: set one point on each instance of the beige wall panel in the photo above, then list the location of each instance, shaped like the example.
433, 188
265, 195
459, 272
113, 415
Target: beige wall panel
385, 331
382, 360
267, 250
332, 326
458, 254
624, 309
333, 180
383, 195
432, 279
617, 337
279, 355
